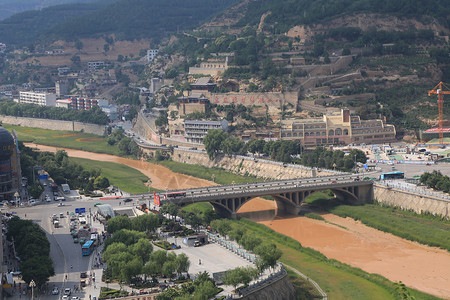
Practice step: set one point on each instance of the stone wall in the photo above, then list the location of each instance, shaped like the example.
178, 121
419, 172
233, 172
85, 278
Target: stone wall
276, 289
248, 166
411, 201
259, 99
54, 124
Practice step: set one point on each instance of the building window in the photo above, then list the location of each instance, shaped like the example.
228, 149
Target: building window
331, 132
345, 131
338, 131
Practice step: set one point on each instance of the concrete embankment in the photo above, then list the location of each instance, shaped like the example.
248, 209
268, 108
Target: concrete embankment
54, 124
406, 200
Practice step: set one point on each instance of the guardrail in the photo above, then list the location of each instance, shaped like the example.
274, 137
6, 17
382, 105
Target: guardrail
416, 190
260, 283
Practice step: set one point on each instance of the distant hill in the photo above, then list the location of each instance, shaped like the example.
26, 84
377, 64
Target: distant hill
11, 7
134, 19
284, 14
24, 28
126, 19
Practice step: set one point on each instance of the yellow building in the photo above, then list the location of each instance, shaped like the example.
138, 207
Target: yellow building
337, 129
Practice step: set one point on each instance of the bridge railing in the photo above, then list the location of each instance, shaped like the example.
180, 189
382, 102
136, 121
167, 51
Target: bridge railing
413, 189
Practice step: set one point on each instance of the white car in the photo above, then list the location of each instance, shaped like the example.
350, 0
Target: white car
55, 291
67, 291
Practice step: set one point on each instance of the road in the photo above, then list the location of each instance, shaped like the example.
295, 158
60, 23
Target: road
64, 252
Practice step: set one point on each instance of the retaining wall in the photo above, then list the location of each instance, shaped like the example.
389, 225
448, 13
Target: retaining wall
411, 201
279, 288
248, 166
54, 124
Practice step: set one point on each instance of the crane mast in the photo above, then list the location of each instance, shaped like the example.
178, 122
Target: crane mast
439, 91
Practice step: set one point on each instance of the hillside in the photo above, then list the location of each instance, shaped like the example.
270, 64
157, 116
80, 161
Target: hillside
25, 28
377, 58
11, 7
126, 19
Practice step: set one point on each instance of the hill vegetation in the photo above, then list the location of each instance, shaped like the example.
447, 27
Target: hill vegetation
11, 7
288, 13
24, 28
126, 19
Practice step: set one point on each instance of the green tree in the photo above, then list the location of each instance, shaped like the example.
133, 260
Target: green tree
213, 141
118, 223
145, 223
169, 208
79, 45
35, 190
143, 248
182, 263
269, 254
38, 268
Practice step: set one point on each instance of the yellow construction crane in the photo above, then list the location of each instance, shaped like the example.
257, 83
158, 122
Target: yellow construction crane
439, 90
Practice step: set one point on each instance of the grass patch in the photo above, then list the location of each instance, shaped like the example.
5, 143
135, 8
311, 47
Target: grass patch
424, 229
303, 288
314, 216
220, 176
66, 139
338, 280
201, 207
126, 178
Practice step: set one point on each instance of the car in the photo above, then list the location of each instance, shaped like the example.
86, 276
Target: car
67, 291
98, 203
65, 297
127, 200
55, 291
82, 241
333, 181
197, 244
83, 275
75, 240
45, 184
76, 297
60, 204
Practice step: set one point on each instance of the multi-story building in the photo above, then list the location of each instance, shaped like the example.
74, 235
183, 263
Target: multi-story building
61, 87
95, 65
195, 131
10, 172
43, 99
213, 66
337, 129
80, 103
151, 54
195, 102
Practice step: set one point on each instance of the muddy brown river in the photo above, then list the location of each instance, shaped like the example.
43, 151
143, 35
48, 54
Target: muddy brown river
418, 266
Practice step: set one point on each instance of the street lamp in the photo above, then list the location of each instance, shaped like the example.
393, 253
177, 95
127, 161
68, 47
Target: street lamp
32, 285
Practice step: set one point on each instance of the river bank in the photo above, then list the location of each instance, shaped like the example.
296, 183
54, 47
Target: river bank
418, 266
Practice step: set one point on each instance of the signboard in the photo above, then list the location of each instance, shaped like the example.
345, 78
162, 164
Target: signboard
43, 176
156, 199
80, 210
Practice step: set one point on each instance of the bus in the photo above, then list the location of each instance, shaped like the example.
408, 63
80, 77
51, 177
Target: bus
87, 248
392, 175
174, 195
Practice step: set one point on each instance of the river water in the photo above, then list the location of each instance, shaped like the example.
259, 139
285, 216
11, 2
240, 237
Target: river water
418, 266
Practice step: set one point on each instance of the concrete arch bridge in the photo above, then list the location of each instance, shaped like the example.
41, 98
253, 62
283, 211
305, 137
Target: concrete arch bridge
288, 194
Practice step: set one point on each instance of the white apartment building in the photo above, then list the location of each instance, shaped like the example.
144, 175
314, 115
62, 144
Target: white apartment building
195, 131
43, 99
151, 54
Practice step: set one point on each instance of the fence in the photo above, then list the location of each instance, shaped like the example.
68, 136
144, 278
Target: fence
413, 189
